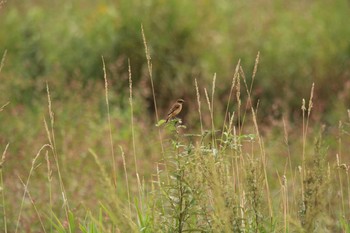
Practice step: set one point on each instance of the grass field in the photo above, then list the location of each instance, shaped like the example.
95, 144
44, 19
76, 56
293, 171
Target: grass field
260, 146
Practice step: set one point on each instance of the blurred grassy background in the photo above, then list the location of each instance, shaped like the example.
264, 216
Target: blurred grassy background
300, 42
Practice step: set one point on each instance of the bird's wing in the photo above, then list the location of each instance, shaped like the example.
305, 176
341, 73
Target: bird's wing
174, 108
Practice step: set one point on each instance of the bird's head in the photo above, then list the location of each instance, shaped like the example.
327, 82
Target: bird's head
180, 101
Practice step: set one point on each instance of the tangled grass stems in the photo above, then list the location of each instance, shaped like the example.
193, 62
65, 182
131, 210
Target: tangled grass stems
26, 184
52, 143
33, 204
118, 216
234, 78
249, 89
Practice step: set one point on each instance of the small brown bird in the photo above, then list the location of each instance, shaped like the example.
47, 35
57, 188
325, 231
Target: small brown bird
174, 110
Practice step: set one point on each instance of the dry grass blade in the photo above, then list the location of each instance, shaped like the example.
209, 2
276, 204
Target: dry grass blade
211, 117
109, 124
4, 55
234, 79
310, 100
132, 117
212, 108
50, 107
306, 124
199, 105
213, 92
303, 109
2, 107
284, 198
126, 179
238, 98
49, 177
149, 66
132, 129
52, 140
2, 189
263, 159
3, 157
257, 59
340, 184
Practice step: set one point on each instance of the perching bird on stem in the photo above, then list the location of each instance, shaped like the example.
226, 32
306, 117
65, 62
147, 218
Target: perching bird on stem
174, 110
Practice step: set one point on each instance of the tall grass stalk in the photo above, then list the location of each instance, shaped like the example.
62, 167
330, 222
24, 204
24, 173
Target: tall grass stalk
212, 134
109, 124
304, 136
284, 197
159, 183
212, 110
199, 105
1, 66
132, 117
264, 162
286, 143
150, 73
260, 140
132, 129
126, 180
49, 178
339, 156
26, 184
341, 193
301, 168
306, 124
2, 187
257, 59
3, 157
347, 168
3, 60
238, 162
239, 102
233, 83
52, 142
